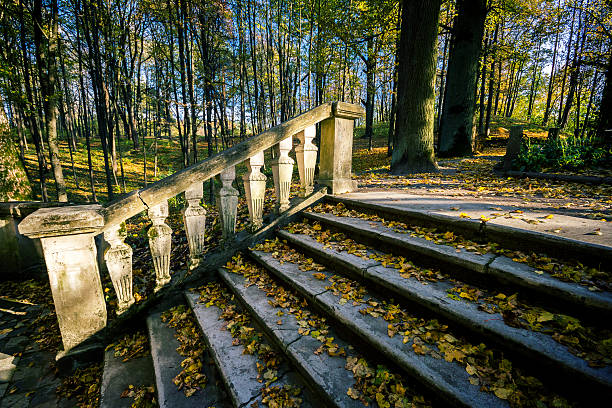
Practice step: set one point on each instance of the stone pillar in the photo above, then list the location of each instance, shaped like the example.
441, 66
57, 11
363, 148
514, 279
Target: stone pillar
337, 148
227, 202
67, 239
282, 171
306, 154
118, 257
194, 217
513, 148
553, 133
255, 190
160, 241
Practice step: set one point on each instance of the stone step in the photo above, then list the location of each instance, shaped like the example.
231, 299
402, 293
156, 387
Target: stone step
550, 357
326, 375
570, 297
448, 381
167, 365
511, 237
118, 376
239, 370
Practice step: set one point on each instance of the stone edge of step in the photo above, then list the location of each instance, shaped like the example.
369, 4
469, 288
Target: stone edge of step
292, 347
117, 376
165, 358
418, 366
239, 375
503, 268
585, 251
531, 344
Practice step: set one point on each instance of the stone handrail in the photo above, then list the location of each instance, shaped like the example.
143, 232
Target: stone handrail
67, 233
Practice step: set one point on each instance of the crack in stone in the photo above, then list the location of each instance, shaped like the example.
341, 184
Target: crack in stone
143, 201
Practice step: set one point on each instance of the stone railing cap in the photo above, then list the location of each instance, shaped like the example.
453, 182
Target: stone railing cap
347, 110
50, 222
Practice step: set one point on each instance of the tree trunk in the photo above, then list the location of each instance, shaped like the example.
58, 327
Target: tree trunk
47, 69
456, 126
413, 143
604, 128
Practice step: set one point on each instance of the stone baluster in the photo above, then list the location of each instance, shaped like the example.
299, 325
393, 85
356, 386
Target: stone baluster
194, 217
227, 202
67, 239
255, 190
118, 257
282, 171
306, 154
160, 241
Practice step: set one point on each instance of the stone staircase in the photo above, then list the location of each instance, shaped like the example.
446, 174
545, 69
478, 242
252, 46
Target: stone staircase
346, 325
329, 301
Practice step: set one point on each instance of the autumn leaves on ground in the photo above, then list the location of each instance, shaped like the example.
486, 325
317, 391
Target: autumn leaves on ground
373, 382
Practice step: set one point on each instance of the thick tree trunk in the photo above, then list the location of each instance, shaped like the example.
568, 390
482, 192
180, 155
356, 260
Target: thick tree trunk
413, 143
604, 128
456, 126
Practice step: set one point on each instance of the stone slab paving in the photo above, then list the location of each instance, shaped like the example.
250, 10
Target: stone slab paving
568, 221
28, 377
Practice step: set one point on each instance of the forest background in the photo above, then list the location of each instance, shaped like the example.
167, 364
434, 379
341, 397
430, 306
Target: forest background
117, 94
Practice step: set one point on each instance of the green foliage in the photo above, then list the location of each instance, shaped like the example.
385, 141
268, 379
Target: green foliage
571, 153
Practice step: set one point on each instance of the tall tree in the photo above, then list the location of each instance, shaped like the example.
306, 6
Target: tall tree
46, 60
413, 142
457, 122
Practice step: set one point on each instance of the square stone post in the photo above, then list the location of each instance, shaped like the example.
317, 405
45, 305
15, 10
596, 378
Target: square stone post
67, 238
337, 148
513, 148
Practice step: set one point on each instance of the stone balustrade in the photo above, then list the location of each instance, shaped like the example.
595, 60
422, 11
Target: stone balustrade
67, 233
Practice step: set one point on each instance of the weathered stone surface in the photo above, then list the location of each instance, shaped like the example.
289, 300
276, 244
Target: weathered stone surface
448, 380
340, 260
282, 171
575, 297
57, 221
167, 365
160, 242
514, 146
194, 218
306, 154
238, 370
336, 158
117, 376
424, 211
534, 346
8, 364
293, 276
326, 374
227, 202
386, 238
118, 259
255, 189
75, 284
